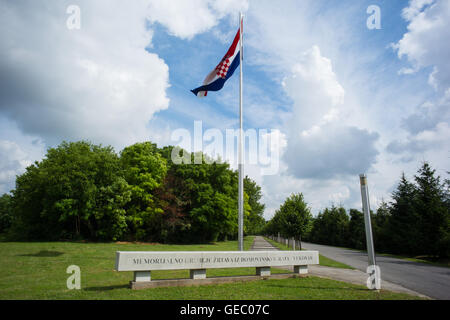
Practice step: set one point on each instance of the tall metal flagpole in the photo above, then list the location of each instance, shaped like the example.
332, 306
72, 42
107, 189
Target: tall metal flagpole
367, 222
241, 147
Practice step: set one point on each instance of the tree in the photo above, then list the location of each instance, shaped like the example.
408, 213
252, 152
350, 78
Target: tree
208, 195
356, 230
293, 219
6, 212
380, 227
77, 191
255, 221
331, 227
404, 226
144, 170
432, 209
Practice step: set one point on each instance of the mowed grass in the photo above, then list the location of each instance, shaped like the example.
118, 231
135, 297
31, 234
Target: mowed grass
37, 270
323, 261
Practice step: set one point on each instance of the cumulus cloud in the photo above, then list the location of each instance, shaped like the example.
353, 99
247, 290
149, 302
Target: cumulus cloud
190, 17
330, 151
101, 82
428, 129
319, 145
96, 83
425, 45
13, 161
436, 138
428, 115
313, 86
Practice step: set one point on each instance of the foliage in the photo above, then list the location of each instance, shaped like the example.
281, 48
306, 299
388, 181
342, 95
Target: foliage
331, 227
293, 219
356, 230
207, 195
6, 212
77, 191
84, 191
144, 170
404, 219
255, 221
431, 203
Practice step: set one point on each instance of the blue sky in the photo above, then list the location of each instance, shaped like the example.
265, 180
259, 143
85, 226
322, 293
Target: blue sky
345, 99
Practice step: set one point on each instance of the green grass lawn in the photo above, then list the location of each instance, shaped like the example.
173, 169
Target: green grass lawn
37, 270
323, 261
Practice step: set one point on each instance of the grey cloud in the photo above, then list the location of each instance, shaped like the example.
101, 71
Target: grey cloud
427, 127
427, 116
399, 147
97, 83
333, 151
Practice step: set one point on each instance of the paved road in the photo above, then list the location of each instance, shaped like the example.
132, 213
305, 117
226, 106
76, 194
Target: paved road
260, 244
427, 279
347, 275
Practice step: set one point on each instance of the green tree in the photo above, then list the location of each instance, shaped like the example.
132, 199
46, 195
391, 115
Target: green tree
208, 195
255, 221
76, 191
293, 218
331, 227
356, 230
6, 212
432, 208
404, 224
381, 227
144, 170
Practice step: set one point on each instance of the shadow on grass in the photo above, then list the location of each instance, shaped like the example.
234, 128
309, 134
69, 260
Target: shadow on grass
108, 288
43, 254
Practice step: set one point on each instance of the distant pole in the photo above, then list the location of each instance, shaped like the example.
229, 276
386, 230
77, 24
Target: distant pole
367, 222
241, 149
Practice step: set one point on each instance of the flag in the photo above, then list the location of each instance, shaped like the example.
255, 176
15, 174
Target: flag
224, 70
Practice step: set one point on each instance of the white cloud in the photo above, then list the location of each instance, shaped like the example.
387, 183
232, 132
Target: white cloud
17, 151
13, 161
187, 18
425, 43
425, 46
320, 145
96, 83
414, 9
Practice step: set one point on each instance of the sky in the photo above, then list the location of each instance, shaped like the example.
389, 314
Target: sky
342, 88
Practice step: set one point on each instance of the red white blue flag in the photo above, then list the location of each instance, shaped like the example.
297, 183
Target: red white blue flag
224, 70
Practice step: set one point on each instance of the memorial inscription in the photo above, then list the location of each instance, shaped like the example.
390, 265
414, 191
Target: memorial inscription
148, 261
143, 262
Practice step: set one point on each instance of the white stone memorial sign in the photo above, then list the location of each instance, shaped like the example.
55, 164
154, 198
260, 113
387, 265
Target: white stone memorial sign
143, 262
157, 260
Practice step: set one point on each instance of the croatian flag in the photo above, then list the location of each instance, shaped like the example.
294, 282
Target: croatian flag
224, 70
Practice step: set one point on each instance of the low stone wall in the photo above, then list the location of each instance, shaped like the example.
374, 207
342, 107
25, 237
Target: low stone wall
143, 263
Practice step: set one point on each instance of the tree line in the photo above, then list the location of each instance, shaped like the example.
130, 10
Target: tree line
415, 223
86, 191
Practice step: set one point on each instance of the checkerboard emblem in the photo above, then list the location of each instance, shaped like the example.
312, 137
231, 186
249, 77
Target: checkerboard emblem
223, 67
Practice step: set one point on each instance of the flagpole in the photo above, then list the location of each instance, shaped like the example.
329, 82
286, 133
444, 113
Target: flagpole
241, 149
